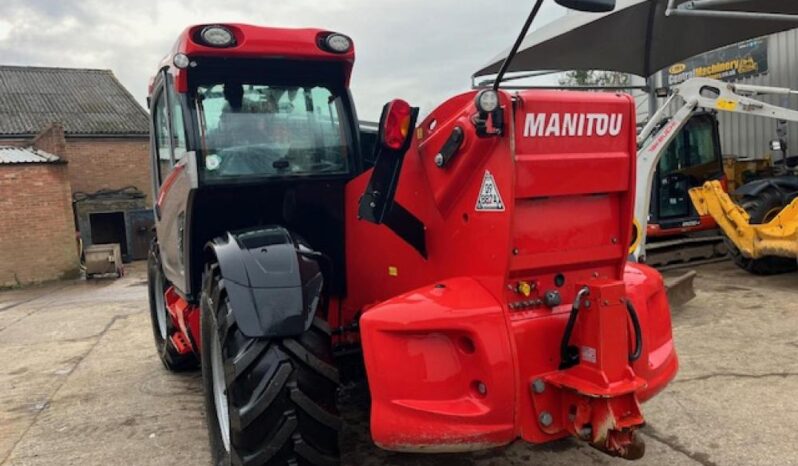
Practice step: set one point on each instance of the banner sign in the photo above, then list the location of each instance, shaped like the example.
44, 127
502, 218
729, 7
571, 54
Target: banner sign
731, 63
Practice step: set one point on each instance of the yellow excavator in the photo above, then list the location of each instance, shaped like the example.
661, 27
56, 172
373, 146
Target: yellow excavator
763, 228
766, 247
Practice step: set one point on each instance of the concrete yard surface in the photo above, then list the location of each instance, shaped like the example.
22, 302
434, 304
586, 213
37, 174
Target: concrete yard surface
80, 383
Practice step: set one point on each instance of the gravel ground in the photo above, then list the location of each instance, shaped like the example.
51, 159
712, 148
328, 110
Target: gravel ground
80, 384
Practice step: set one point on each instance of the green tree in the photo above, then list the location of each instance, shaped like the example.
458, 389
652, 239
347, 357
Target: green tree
577, 78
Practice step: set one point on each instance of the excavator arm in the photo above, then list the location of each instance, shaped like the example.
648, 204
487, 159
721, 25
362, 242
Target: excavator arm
696, 93
779, 237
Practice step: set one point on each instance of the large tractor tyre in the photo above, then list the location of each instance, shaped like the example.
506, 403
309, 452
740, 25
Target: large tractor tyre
762, 208
268, 401
162, 326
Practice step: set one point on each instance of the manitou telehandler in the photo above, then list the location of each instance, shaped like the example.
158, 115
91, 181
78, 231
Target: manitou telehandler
480, 263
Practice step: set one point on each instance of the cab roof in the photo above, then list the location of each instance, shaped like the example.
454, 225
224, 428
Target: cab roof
255, 42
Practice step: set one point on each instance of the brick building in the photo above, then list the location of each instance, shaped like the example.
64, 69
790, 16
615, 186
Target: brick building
76, 132
105, 129
37, 228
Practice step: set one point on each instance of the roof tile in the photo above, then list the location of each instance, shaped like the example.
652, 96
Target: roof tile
85, 102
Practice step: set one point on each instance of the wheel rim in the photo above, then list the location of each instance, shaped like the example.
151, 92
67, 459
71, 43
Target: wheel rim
220, 392
160, 306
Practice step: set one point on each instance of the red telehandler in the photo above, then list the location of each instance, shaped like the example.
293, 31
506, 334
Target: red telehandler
478, 258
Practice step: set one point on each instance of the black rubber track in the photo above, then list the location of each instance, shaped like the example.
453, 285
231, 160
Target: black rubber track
760, 210
171, 359
281, 392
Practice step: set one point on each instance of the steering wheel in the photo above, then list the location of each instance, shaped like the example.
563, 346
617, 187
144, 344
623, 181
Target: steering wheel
248, 160
311, 160
324, 166
673, 178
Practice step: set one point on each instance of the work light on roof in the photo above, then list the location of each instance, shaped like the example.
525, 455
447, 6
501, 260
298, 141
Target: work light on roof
487, 100
217, 36
337, 43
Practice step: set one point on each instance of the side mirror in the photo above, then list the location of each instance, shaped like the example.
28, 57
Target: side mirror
590, 6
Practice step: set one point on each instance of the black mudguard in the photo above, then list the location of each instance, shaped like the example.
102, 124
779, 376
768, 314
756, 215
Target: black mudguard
786, 185
272, 279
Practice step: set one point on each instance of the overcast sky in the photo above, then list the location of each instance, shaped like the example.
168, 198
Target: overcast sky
422, 51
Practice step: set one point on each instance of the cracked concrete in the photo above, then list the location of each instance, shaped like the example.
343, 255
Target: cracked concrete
80, 384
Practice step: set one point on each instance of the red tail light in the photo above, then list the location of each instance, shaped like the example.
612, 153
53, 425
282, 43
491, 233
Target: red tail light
395, 124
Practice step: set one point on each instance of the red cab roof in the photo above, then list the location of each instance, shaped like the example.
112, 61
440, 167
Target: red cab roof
255, 42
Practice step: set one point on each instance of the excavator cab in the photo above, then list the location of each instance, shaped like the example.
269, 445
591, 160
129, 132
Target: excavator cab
690, 160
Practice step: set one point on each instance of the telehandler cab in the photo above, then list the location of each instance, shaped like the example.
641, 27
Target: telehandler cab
480, 263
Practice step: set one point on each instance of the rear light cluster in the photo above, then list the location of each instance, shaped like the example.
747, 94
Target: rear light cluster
396, 124
335, 43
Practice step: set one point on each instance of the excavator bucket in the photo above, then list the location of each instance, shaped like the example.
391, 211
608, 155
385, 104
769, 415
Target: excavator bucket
778, 238
680, 290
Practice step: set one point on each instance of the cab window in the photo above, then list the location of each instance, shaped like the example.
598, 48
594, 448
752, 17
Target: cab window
178, 128
254, 129
691, 159
693, 147
162, 140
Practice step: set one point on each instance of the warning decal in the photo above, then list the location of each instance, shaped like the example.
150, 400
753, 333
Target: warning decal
489, 198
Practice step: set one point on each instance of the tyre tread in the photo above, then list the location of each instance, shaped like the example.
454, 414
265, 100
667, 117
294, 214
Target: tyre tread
757, 208
281, 392
306, 356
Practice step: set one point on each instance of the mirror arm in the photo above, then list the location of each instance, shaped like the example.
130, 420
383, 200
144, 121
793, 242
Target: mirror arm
506, 63
377, 204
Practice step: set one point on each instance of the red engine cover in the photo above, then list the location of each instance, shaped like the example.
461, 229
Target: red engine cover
453, 342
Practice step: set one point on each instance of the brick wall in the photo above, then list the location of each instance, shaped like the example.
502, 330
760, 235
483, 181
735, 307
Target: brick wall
112, 163
16, 142
37, 228
51, 140
97, 163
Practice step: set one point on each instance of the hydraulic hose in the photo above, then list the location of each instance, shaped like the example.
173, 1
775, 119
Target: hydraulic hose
638, 332
567, 358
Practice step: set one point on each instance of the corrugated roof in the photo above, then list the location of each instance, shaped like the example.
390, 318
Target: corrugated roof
85, 102
10, 155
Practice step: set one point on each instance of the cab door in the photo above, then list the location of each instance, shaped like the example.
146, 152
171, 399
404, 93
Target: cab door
692, 158
174, 177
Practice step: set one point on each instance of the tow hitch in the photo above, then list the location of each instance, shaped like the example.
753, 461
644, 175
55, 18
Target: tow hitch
596, 385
